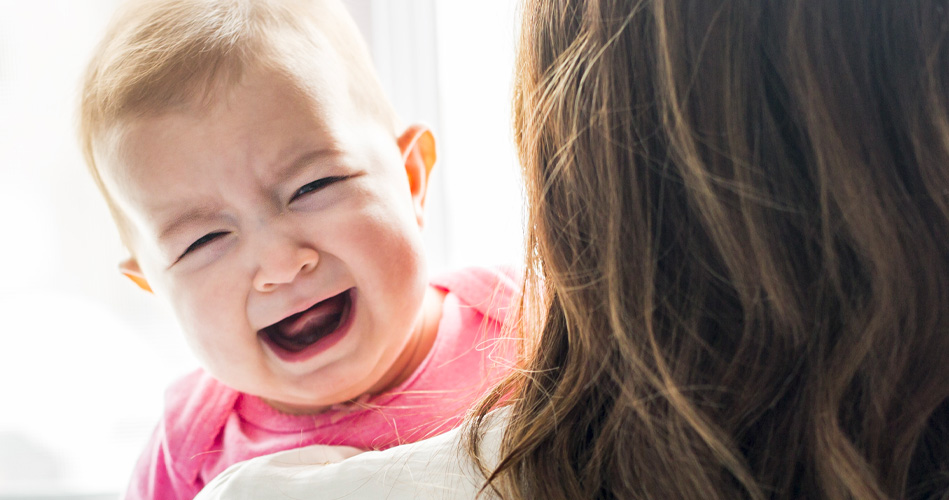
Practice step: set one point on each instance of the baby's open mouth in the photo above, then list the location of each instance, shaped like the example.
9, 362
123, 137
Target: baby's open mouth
305, 328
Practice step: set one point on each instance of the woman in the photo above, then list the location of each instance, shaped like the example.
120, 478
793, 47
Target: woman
739, 227
738, 265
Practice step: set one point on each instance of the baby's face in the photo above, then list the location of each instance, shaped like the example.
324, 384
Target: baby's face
285, 234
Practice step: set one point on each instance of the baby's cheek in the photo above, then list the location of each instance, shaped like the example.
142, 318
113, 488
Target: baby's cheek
202, 324
402, 257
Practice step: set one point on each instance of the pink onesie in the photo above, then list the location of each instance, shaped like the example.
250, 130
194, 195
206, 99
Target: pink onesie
207, 426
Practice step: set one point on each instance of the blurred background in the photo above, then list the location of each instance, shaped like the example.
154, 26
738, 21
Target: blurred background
84, 355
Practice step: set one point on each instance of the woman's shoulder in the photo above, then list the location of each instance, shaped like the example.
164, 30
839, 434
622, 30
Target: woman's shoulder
436, 468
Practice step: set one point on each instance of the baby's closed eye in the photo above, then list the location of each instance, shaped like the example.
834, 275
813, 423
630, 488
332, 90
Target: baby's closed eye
317, 185
200, 242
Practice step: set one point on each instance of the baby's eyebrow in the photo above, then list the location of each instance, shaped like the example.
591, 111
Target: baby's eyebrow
181, 219
303, 161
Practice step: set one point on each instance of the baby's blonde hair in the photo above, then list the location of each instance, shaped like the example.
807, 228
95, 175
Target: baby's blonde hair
162, 55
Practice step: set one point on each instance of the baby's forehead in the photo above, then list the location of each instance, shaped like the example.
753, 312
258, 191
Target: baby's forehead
267, 118
325, 86
236, 106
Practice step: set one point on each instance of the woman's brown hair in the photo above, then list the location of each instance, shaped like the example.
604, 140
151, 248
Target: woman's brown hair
738, 245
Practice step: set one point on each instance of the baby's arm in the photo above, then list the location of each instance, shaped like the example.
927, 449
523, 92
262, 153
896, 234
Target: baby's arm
155, 476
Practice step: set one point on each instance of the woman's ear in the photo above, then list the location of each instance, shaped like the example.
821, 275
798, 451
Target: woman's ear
418, 154
129, 267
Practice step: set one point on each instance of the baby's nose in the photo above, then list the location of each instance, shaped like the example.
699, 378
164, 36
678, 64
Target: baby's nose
281, 264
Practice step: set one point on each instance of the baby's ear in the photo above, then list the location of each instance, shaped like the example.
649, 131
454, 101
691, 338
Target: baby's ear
129, 267
418, 154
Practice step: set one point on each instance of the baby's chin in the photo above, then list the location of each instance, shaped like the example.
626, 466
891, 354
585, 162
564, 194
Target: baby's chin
305, 403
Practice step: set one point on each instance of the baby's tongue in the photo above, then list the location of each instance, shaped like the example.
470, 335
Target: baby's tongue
317, 316
305, 328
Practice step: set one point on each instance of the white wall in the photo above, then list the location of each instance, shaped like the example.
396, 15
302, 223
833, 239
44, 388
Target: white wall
84, 356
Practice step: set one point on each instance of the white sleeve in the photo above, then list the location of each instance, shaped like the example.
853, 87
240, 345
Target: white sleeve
438, 468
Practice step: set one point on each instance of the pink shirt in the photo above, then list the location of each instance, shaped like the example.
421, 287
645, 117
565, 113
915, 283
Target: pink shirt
207, 426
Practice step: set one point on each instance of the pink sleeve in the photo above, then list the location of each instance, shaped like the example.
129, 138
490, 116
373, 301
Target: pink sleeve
196, 408
154, 476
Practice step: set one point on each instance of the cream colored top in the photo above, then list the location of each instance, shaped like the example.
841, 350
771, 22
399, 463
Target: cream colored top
438, 468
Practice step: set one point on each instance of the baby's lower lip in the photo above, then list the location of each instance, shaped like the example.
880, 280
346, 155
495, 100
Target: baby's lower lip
320, 345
